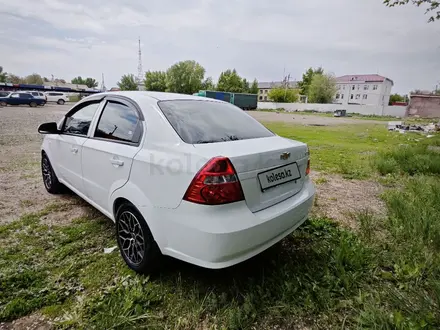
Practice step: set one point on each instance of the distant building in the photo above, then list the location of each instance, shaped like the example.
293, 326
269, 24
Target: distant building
265, 87
369, 89
67, 85
424, 105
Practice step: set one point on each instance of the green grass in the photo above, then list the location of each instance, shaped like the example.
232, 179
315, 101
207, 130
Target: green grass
348, 149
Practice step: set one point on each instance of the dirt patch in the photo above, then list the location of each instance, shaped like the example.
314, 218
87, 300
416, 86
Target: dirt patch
310, 120
21, 187
339, 199
30, 322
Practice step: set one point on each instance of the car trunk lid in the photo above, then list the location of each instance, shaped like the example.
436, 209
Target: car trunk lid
270, 169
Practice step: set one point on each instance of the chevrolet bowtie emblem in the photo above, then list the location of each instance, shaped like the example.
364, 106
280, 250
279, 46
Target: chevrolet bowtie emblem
285, 155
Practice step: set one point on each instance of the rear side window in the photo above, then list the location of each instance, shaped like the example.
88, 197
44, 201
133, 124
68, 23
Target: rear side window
25, 96
119, 122
199, 122
2, 94
56, 94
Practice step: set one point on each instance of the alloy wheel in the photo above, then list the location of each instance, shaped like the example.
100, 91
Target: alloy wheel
47, 173
131, 237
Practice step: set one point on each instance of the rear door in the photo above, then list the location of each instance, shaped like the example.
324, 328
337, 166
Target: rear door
108, 154
25, 98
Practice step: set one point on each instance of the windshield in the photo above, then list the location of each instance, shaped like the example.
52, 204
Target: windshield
209, 122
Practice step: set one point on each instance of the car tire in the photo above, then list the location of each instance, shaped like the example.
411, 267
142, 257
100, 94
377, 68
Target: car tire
32, 104
61, 102
3, 104
50, 180
136, 243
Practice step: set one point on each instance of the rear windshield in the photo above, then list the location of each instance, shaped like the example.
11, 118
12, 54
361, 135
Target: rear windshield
199, 122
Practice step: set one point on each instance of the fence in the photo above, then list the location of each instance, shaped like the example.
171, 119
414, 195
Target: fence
395, 111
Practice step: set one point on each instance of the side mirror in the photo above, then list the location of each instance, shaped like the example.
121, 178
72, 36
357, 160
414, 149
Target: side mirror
48, 128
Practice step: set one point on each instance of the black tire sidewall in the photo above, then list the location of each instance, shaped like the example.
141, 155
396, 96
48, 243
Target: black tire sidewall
56, 186
152, 254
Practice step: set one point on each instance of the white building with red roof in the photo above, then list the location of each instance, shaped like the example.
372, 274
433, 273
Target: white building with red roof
368, 89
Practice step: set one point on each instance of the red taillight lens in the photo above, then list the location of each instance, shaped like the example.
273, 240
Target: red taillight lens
216, 183
308, 167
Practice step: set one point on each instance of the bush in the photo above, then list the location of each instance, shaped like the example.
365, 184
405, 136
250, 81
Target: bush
288, 95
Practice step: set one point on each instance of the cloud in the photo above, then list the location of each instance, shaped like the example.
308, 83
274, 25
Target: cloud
259, 38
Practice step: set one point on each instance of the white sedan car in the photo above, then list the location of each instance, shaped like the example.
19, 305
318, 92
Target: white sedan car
185, 176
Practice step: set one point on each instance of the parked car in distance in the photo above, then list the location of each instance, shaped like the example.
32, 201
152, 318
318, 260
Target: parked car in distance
20, 98
190, 177
37, 95
57, 97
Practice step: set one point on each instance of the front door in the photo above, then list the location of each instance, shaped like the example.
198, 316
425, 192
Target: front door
108, 154
68, 145
14, 99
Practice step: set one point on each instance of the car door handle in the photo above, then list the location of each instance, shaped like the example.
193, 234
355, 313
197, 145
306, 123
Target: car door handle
117, 162
74, 150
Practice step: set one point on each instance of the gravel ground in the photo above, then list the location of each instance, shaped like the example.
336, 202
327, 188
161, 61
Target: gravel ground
21, 188
265, 116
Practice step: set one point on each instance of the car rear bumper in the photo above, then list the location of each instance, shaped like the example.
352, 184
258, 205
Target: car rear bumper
221, 236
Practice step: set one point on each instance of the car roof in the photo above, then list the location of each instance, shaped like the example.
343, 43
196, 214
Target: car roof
143, 96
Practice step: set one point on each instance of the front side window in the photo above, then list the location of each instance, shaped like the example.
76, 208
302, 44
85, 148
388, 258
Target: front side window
79, 121
198, 122
118, 122
25, 96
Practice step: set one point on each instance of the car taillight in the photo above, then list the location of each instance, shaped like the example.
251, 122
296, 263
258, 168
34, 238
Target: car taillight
216, 183
308, 167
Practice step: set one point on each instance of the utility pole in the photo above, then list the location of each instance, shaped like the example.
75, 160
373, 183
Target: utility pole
140, 75
286, 83
103, 88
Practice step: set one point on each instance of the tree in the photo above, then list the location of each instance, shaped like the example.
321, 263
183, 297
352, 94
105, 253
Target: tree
128, 83
307, 77
285, 95
3, 75
155, 81
254, 87
433, 6
185, 77
14, 79
322, 89
208, 84
230, 81
60, 81
396, 98
246, 86
34, 79
78, 81
91, 83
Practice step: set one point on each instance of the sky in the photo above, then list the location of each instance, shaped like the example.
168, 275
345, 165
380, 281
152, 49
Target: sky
259, 38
